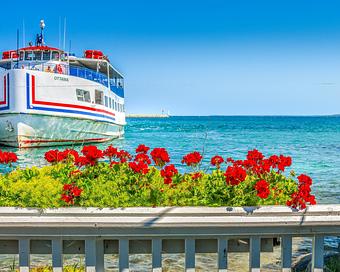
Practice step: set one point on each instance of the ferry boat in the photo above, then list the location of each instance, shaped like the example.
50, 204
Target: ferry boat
50, 97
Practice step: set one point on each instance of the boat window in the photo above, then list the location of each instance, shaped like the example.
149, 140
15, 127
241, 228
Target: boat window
46, 55
83, 95
28, 55
115, 105
55, 55
106, 101
37, 55
110, 102
99, 97
21, 55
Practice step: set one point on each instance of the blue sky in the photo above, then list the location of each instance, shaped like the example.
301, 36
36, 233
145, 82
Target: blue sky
203, 57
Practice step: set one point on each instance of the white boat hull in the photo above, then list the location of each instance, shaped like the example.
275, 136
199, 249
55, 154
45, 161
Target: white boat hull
33, 130
39, 109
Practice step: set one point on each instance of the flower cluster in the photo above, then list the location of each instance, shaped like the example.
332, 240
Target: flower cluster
55, 156
256, 163
142, 149
262, 188
168, 172
142, 157
70, 193
217, 161
303, 196
160, 156
260, 176
234, 175
139, 167
192, 159
8, 157
92, 154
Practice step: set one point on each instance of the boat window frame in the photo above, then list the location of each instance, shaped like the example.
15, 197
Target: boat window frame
27, 54
52, 55
49, 55
98, 100
34, 54
84, 95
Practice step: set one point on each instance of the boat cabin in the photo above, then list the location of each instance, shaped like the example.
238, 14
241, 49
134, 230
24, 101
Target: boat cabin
34, 53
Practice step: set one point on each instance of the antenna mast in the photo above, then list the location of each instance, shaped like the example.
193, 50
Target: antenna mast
23, 33
64, 46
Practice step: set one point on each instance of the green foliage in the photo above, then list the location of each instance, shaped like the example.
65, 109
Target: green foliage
119, 186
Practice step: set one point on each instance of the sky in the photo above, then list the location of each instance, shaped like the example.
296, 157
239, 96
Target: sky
231, 57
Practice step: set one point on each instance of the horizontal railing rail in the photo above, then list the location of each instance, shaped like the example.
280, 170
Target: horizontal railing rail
188, 230
96, 77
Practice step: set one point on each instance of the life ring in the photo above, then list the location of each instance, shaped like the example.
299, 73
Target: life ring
59, 69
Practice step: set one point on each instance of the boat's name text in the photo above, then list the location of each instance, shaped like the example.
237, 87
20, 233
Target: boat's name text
60, 78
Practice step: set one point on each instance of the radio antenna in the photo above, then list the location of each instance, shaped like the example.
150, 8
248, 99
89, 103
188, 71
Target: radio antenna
59, 34
23, 33
64, 46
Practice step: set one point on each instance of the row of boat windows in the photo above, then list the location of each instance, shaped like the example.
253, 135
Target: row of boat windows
40, 55
100, 99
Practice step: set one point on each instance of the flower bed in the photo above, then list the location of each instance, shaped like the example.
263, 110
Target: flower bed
115, 178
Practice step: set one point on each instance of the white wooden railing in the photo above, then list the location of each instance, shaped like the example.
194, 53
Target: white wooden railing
189, 230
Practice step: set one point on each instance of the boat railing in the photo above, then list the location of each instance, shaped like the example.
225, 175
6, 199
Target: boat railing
56, 68
97, 77
65, 69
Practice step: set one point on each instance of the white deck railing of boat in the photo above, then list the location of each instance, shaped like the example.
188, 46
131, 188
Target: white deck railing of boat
95, 232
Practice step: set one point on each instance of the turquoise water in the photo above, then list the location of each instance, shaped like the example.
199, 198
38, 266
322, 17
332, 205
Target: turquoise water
313, 143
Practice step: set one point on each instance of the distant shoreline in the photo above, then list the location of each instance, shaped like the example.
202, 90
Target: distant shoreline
147, 115
167, 116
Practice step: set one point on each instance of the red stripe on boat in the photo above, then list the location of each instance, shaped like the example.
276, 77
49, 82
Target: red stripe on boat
63, 141
4, 102
34, 101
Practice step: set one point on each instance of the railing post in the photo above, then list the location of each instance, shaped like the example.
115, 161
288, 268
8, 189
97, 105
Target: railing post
123, 255
286, 253
57, 255
318, 253
190, 255
90, 255
255, 254
222, 255
156, 255
24, 255
99, 255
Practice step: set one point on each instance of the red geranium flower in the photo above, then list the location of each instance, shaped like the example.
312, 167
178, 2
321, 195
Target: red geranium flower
110, 152
303, 196
216, 161
71, 191
52, 156
123, 156
168, 172
92, 153
8, 157
142, 149
262, 188
196, 176
139, 167
82, 161
160, 156
254, 155
235, 175
142, 157
68, 153
192, 159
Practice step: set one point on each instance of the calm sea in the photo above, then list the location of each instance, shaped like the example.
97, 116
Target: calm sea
313, 143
